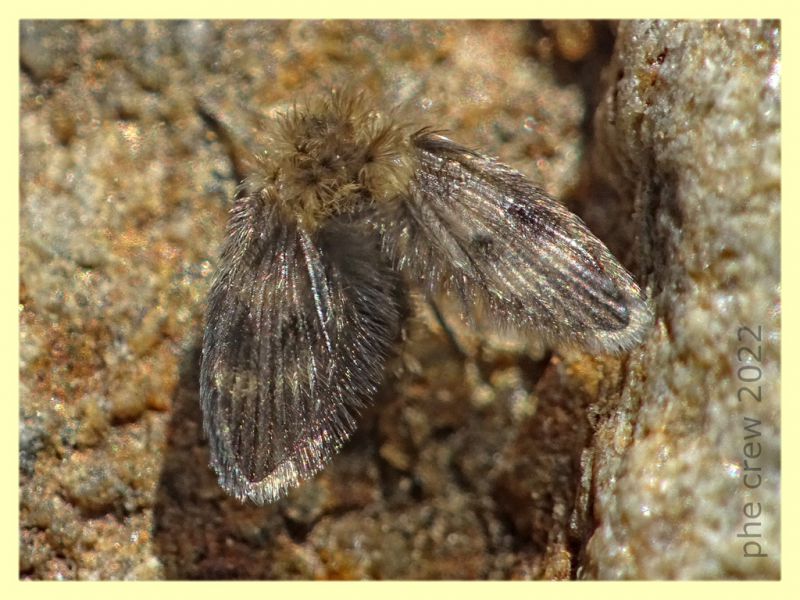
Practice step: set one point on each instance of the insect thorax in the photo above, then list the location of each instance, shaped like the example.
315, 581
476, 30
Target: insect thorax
334, 157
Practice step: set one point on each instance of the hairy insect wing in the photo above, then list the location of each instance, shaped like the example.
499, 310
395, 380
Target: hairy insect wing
306, 302
298, 326
477, 229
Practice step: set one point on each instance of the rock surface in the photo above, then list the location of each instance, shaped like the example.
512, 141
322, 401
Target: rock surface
508, 464
690, 130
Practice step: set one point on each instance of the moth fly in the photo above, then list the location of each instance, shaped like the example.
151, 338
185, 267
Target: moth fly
347, 209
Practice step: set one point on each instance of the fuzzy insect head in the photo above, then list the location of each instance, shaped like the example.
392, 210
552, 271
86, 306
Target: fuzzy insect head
334, 155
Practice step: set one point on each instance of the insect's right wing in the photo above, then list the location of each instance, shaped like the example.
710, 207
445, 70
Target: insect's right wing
479, 230
297, 329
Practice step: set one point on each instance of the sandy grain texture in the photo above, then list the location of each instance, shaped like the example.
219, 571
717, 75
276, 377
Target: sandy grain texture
512, 463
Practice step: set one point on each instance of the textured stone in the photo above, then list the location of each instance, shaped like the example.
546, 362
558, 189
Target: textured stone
510, 463
690, 130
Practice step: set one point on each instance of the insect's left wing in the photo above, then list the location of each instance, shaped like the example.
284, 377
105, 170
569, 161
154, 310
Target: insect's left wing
296, 336
480, 231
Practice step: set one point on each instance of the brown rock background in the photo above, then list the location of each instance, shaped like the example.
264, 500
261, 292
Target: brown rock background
509, 464
690, 130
